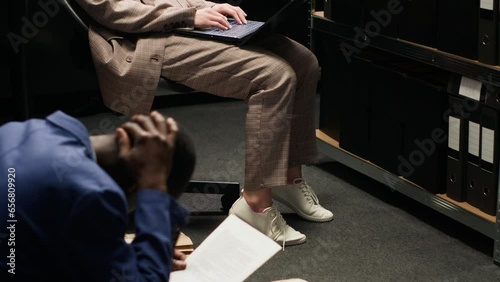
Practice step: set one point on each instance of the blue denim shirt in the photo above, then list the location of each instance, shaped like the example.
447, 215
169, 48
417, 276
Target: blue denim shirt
68, 217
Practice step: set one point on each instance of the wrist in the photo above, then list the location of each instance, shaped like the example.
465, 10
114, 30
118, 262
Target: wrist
161, 188
153, 184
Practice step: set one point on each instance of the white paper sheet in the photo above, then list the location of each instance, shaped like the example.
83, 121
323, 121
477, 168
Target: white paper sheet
454, 133
470, 88
486, 4
488, 145
231, 253
474, 136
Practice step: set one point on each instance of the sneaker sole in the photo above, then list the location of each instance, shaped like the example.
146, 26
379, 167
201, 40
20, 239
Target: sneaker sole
300, 213
293, 243
287, 243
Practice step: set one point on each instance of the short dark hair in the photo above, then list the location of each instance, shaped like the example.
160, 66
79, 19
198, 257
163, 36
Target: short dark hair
183, 164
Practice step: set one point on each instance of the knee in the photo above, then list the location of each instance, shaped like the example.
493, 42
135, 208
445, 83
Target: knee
311, 67
282, 76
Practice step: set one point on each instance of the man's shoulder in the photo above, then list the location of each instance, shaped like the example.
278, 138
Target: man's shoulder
52, 157
42, 135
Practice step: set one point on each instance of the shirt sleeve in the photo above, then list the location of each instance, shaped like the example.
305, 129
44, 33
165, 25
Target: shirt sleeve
199, 4
136, 17
97, 248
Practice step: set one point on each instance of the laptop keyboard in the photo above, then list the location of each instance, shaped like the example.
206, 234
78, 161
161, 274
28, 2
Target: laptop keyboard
237, 30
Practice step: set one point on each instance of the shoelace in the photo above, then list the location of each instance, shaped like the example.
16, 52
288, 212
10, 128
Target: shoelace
309, 192
280, 223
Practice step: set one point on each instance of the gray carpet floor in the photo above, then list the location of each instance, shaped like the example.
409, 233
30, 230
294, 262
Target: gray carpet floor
377, 234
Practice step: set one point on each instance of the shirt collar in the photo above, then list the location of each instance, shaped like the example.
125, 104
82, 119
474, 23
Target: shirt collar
74, 127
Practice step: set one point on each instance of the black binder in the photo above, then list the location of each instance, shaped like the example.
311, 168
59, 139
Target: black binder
487, 40
418, 22
488, 179
345, 12
489, 94
327, 9
457, 150
458, 22
473, 170
355, 113
492, 96
386, 134
470, 88
334, 85
424, 135
376, 13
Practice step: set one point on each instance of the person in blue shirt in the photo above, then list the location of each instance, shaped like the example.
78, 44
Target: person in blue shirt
63, 199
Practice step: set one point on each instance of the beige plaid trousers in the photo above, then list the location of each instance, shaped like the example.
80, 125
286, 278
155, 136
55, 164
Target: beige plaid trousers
133, 45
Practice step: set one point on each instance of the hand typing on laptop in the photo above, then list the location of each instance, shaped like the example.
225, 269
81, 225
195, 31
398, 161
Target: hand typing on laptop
216, 16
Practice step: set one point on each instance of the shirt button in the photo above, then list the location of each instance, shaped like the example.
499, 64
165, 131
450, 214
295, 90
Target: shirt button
128, 59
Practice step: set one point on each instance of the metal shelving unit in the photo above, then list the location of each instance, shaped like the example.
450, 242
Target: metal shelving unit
467, 67
487, 225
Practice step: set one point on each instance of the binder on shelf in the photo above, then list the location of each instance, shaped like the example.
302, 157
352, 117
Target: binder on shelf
470, 91
345, 12
355, 114
334, 86
375, 13
457, 150
492, 96
466, 87
485, 93
488, 180
327, 9
418, 22
488, 32
473, 170
423, 161
458, 22
386, 134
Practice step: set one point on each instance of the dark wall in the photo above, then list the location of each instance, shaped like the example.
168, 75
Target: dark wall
10, 108
48, 55
58, 58
6, 91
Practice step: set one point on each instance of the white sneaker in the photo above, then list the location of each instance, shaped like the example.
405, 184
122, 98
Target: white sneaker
301, 198
270, 222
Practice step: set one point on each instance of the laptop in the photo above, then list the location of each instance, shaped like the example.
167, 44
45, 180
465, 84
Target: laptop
240, 34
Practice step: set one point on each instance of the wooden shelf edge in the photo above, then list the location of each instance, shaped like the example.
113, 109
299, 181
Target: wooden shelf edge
319, 14
466, 206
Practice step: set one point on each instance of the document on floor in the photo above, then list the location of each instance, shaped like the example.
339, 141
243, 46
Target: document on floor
231, 253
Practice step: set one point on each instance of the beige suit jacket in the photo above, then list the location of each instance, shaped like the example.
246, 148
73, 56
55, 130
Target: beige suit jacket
127, 41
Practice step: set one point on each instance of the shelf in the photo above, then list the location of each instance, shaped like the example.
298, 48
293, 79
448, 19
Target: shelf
461, 212
467, 67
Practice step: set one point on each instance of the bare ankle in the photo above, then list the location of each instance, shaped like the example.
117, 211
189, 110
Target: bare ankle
294, 173
258, 199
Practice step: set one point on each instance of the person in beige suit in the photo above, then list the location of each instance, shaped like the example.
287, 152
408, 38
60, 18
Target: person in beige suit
133, 45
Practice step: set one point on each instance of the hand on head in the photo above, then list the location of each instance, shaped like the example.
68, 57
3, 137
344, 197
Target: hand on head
146, 146
217, 16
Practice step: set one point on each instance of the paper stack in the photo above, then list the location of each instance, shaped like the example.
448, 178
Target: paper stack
231, 253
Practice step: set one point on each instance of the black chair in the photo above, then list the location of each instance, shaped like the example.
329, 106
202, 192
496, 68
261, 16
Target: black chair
229, 190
